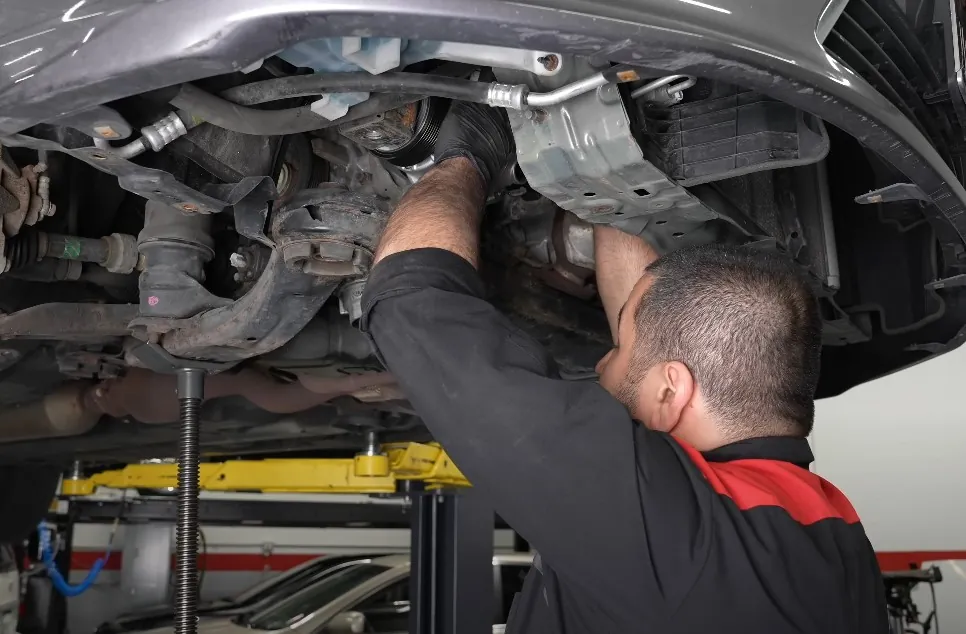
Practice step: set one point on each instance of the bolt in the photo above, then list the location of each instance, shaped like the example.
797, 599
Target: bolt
238, 261
374, 135
549, 62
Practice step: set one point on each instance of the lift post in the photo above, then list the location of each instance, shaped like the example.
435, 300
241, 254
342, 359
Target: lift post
451, 581
452, 528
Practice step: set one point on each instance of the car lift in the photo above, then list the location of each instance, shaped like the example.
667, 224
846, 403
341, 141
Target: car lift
451, 582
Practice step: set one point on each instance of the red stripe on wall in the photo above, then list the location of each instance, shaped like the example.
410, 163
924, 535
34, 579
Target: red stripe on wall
213, 562
908, 560
246, 562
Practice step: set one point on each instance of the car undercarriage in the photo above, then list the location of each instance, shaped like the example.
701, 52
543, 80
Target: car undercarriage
221, 204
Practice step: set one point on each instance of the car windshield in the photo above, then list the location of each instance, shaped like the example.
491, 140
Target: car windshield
291, 582
314, 597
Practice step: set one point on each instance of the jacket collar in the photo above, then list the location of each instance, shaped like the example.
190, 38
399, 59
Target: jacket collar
783, 448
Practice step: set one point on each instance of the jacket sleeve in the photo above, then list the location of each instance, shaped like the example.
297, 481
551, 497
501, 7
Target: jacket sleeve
610, 505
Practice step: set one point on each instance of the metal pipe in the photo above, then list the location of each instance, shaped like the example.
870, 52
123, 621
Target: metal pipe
567, 92
688, 82
154, 136
828, 227
127, 151
149, 397
64, 412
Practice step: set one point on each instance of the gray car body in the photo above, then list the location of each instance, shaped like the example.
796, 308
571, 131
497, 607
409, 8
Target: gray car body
63, 56
312, 623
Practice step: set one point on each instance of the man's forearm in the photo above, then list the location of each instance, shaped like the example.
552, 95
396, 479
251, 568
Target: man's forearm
621, 259
442, 211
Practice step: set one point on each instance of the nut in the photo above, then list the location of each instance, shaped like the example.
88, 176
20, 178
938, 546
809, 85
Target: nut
549, 62
238, 261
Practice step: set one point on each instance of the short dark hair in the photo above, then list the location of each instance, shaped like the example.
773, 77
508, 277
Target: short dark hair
746, 324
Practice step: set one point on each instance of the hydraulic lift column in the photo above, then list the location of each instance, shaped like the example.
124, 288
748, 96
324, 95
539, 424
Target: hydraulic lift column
451, 582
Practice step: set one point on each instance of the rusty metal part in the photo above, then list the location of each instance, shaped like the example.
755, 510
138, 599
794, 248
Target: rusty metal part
150, 397
352, 384
332, 234
67, 411
24, 197
386, 131
68, 322
31, 189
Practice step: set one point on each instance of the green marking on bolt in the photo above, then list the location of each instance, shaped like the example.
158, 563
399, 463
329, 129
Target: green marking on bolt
72, 249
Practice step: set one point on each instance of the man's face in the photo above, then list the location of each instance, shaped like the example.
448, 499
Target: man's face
615, 368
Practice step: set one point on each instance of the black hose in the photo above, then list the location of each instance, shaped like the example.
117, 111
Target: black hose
224, 113
230, 116
394, 82
236, 118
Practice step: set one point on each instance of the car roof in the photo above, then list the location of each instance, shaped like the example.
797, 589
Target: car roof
513, 558
392, 561
398, 561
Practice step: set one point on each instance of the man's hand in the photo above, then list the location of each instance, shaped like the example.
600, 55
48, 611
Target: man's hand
443, 209
479, 133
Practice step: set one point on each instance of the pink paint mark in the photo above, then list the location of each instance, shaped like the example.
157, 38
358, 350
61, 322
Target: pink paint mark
153, 300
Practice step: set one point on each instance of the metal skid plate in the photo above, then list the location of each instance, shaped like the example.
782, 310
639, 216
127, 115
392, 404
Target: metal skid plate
582, 155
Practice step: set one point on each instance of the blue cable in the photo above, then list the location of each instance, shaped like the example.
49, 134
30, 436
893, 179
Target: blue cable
60, 584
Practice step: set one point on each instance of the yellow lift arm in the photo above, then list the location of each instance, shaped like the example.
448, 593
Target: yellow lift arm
362, 474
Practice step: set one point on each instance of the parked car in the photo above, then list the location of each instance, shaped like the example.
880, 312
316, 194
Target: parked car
10, 590
247, 603
370, 597
207, 180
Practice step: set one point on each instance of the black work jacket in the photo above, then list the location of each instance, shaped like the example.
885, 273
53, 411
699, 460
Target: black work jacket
637, 532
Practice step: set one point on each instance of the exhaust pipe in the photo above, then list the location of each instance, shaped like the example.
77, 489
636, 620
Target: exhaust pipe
64, 412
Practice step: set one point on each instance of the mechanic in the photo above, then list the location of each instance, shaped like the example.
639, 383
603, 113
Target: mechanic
672, 496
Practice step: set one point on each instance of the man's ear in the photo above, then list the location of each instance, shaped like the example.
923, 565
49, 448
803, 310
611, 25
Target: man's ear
675, 391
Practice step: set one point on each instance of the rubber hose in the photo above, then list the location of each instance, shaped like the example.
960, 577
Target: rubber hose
394, 82
56, 578
239, 118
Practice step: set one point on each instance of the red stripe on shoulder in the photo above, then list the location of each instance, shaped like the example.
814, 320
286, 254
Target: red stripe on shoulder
751, 483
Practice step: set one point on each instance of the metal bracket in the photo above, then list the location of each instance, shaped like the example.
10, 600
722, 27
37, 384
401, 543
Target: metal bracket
155, 184
582, 155
949, 282
426, 463
157, 359
894, 193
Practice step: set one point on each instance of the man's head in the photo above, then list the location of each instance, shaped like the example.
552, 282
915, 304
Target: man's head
717, 344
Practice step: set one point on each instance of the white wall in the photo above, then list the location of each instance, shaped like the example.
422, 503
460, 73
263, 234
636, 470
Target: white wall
896, 447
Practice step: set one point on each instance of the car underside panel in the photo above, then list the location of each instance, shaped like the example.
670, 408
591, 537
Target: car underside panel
217, 196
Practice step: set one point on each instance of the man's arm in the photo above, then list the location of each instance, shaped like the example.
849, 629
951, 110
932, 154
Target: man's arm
562, 462
621, 259
444, 208
434, 214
